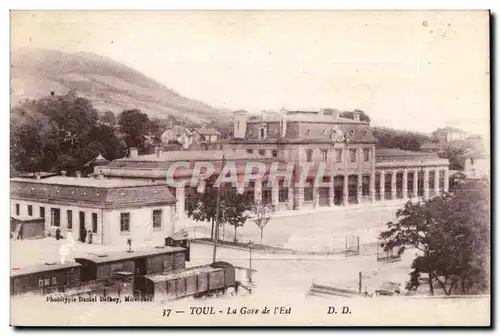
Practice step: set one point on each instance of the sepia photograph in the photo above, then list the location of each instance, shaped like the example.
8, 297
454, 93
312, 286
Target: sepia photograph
250, 168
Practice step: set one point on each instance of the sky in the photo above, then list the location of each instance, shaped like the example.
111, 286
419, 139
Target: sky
406, 69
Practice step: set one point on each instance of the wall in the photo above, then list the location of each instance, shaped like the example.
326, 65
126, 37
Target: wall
23, 206
141, 226
141, 222
476, 168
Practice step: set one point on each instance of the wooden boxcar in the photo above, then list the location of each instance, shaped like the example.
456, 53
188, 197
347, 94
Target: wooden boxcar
45, 278
194, 281
139, 262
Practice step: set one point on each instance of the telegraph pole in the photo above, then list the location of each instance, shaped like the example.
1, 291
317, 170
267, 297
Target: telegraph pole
217, 210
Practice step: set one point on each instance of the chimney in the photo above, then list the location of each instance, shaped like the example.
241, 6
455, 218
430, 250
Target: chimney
78, 174
159, 151
63, 172
133, 152
356, 115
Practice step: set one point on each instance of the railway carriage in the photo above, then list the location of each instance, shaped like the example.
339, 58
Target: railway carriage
45, 278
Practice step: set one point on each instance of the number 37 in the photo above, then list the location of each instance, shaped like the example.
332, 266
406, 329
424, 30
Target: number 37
166, 312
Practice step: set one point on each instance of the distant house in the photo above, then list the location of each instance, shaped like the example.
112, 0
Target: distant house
448, 134
177, 134
207, 135
430, 147
99, 160
476, 164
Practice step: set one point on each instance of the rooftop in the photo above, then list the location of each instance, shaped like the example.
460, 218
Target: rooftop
113, 256
86, 182
192, 155
15, 271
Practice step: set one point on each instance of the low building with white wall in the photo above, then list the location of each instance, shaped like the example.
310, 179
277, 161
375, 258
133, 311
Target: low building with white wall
112, 210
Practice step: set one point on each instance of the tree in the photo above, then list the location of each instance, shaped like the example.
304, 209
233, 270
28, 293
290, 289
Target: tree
262, 214
452, 234
233, 207
392, 138
350, 114
135, 125
455, 155
109, 118
59, 133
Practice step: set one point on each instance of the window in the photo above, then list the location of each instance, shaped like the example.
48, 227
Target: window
250, 151
17, 209
42, 212
69, 214
275, 153
30, 210
324, 155
262, 133
366, 154
94, 222
471, 162
338, 155
308, 191
125, 222
55, 217
283, 192
309, 154
352, 154
262, 152
157, 219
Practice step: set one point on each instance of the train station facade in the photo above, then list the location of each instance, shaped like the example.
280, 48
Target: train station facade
353, 169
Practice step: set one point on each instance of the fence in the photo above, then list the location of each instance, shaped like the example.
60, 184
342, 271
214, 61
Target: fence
388, 255
349, 245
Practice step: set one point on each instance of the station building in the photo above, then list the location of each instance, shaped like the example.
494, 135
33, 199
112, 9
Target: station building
357, 172
112, 210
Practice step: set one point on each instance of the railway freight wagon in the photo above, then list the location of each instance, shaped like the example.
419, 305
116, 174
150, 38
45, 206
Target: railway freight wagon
194, 281
140, 262
45, 278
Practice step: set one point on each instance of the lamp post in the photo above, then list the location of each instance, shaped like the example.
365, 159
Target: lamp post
217, 211
250, 246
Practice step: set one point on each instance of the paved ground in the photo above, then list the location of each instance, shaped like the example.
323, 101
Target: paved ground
320, 230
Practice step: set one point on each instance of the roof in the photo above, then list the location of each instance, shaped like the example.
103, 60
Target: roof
85, 182
179, 130
474, 154
26, 219
100, 193
207, 131
430, 145
457, 172
42, 268
125, 255
449, 129
172, 156
383, 154
98, 160
306, 131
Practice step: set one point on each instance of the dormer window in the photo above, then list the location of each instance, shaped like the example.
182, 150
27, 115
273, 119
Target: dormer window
366, 133
308, 132
262, 133
352, 132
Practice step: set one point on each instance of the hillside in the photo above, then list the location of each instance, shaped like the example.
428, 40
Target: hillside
108, 84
